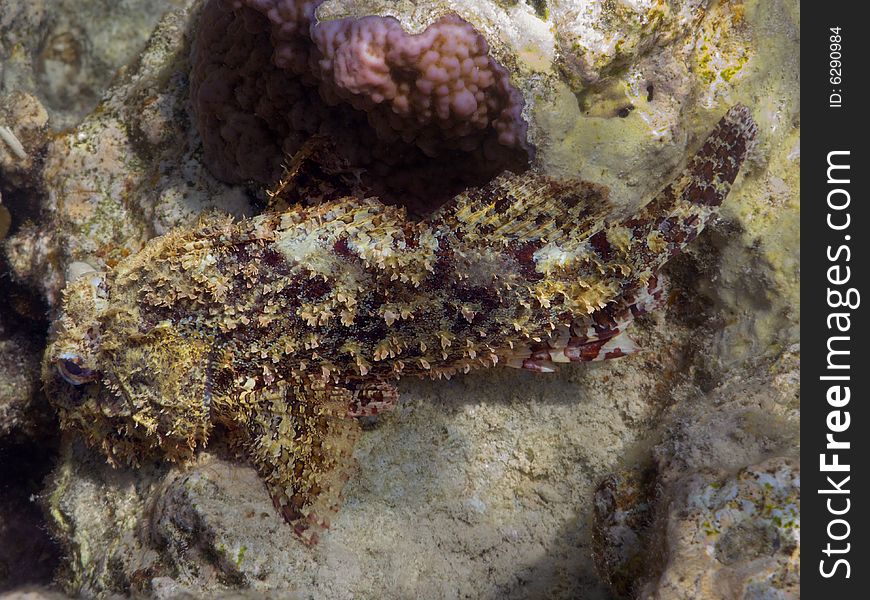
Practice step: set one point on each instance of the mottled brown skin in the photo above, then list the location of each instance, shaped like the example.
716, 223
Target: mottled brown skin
284, 327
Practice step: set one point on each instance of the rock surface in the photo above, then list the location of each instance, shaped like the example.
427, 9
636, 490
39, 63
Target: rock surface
482, 486
717, 504
22, 411
67, 51
126, 173
734, 536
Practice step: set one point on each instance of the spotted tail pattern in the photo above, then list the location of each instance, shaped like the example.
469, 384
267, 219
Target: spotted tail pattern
674, 218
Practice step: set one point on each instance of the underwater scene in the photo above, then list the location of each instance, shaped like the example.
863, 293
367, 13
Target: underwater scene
400, 299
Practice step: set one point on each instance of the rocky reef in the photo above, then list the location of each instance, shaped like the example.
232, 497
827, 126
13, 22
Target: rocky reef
668, 474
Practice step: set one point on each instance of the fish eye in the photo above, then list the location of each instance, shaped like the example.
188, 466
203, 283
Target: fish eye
74, 373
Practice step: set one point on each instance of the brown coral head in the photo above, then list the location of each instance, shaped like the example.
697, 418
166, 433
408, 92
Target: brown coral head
420, 117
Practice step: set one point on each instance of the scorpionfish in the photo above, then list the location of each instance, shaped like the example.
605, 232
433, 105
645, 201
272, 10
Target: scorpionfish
281, 330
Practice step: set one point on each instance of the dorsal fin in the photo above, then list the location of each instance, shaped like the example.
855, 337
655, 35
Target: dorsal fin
529, 206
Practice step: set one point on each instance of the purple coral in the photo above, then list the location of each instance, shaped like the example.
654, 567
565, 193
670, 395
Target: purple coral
421, 116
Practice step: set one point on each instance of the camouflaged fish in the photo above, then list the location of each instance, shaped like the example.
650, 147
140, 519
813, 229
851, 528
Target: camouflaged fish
285, 327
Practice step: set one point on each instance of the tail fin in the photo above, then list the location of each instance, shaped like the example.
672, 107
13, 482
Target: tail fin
573, 216
707, 178
681, 211
533, 206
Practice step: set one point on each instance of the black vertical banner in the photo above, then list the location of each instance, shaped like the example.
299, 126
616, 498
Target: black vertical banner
835, 297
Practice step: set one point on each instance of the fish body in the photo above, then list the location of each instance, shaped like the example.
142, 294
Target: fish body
285, 327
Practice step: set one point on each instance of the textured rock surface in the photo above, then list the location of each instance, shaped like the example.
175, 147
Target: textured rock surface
484, 485
67, 51
22, 410
712, 507
733, 536
24, 122
126, 173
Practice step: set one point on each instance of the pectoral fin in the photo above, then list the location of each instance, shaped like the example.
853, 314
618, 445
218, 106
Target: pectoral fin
302, 442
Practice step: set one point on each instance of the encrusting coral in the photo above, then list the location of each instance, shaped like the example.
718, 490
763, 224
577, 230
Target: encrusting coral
418, 116
285, 327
